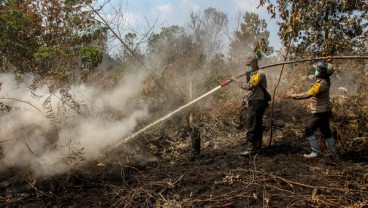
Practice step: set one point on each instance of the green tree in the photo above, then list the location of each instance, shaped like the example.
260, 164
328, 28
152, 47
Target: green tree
20, 26
91, 57
46, 36
67, 28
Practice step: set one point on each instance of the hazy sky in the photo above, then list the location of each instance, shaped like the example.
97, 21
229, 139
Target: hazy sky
177, 12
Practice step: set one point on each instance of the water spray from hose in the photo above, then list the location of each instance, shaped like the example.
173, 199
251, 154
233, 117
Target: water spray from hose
174, 112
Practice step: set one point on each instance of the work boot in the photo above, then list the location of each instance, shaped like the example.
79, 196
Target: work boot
245, 153
330, 143
316, 151
249, 149
248, 152
311, 155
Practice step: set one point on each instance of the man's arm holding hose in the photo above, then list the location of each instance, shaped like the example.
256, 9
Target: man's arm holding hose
305, 95
300, 96
249, 85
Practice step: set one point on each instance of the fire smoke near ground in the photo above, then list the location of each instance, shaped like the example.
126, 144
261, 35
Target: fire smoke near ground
31, 138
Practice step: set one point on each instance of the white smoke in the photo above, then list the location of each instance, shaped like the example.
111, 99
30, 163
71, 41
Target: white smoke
38, 137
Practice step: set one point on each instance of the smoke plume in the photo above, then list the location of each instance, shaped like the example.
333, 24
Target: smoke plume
50, 131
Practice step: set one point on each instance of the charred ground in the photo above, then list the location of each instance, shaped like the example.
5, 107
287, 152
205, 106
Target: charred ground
162, 170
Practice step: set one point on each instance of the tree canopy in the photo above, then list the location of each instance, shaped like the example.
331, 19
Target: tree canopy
64, 36
322, 27
46, 36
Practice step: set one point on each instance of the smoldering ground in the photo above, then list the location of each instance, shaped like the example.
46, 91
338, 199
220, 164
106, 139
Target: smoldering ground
48, 133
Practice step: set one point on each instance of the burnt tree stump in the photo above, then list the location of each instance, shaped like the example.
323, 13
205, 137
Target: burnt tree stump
195, 137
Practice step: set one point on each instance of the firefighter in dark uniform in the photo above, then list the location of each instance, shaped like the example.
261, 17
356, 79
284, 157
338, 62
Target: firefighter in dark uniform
255, 85
321, 109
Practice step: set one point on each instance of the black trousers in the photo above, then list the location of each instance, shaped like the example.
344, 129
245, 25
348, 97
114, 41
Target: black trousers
256, 109
321, 121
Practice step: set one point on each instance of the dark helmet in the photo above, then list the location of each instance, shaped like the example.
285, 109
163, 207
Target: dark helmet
320, 66
330, 69
322, 69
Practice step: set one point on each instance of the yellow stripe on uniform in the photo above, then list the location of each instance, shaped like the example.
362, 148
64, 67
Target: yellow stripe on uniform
254, 80
315, 89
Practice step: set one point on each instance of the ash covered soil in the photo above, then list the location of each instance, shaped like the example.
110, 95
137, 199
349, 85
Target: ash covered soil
162, 171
